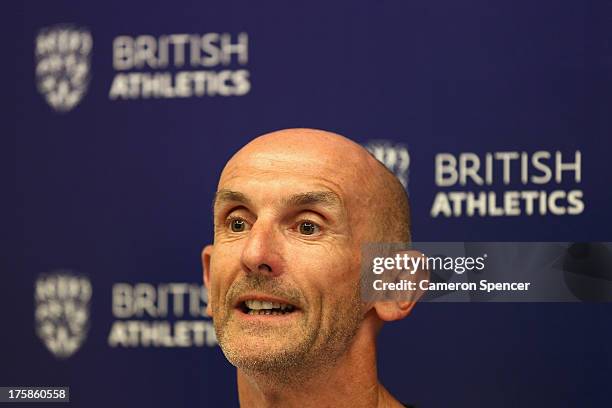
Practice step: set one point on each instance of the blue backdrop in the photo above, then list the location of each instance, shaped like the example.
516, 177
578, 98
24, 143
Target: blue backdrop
125, 113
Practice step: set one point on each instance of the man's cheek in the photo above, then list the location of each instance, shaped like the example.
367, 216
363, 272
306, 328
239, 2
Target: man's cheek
216, 297
344, 271
214, 292
334, 280
220, 285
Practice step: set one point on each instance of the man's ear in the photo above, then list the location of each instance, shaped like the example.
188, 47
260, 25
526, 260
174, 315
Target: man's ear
400, 307
393, 309
206, 256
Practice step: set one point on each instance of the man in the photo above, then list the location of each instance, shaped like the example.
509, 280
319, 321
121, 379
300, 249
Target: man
291, 212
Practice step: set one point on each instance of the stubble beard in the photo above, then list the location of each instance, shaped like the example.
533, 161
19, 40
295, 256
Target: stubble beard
296, 356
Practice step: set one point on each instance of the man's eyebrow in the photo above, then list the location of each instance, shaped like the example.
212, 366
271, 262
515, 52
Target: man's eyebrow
232, 196
325, 198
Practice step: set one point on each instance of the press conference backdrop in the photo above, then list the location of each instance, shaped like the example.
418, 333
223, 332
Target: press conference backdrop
494, 115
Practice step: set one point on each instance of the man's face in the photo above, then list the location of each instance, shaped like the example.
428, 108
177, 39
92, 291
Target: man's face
284, 235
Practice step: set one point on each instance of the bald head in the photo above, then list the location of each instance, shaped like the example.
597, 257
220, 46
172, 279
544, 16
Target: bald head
373, 196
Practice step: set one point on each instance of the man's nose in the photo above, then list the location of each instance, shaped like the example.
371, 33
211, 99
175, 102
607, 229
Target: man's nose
261, 251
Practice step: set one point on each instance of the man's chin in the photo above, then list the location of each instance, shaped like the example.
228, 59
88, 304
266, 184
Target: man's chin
263, 348
262, 355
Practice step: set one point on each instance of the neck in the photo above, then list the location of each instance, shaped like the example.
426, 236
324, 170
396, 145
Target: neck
350, 381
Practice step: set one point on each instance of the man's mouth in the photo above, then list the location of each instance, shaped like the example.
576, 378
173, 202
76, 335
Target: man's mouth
255, 307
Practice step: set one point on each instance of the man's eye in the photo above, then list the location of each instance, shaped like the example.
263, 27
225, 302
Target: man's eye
237, 224
308, 228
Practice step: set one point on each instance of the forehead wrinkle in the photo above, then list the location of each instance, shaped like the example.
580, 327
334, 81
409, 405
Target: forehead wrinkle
326, 189
264, 165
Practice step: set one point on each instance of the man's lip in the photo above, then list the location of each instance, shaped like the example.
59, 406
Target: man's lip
262, 298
